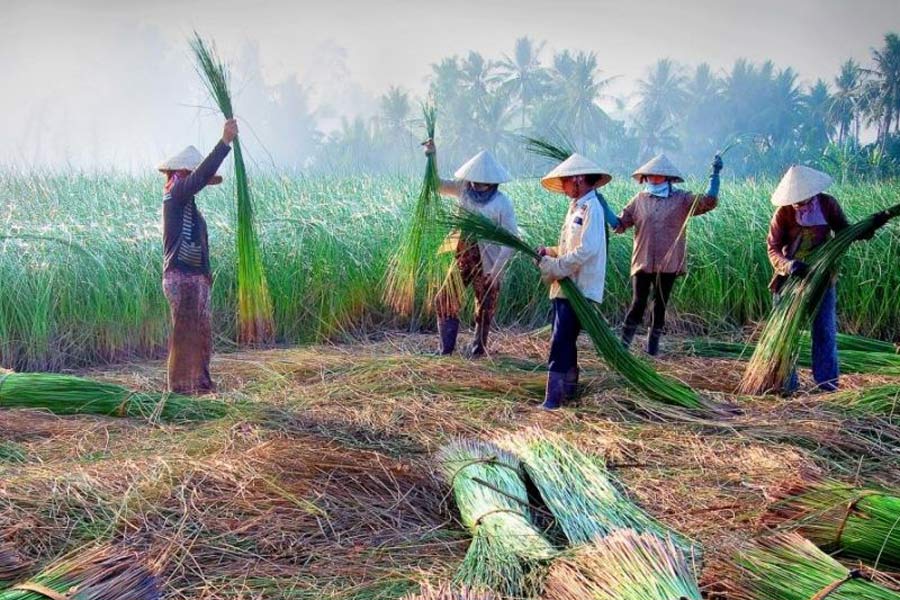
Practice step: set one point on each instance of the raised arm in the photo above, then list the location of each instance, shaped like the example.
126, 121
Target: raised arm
447, 187
184, 188
710, 198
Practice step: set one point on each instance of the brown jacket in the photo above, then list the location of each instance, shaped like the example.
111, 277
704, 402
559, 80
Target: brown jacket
659, 240
786, 235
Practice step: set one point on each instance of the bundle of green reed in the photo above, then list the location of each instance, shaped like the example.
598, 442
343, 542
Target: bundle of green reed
418, 269
882, 400
256, 324
636, 372
778, 347
626, 565
69, 395
857, 523
789, 567
447, 592
12, 565
580, 492
506, 550
103, 573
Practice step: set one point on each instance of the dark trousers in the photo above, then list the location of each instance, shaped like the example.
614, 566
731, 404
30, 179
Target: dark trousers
825, 366
563, 344
641, 285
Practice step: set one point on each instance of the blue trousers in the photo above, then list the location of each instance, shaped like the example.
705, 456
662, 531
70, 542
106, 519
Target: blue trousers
825, 367
563, 347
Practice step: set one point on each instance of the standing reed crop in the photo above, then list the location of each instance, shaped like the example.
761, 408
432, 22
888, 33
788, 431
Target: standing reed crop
777, 350
255, 317
626, 565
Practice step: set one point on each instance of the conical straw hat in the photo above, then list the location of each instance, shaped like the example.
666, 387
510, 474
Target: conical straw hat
187, 160
659, 165
800, 183
483, 168
572, 166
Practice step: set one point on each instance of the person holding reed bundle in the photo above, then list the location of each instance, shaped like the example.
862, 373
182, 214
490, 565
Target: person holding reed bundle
659, 215
805, 219
480, 265
187, 277
580, 256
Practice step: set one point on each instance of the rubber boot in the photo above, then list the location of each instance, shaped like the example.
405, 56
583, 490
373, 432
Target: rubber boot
555, 392
628, 332
479, 343
653, 341
448, 328
571, 390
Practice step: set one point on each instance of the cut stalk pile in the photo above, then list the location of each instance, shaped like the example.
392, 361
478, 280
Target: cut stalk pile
778, 347
446, 592
636, 372
256, 324
69, 395
789, 567
623, 566
507, 550
883, 400
12, 565
858, 523
580, 493
100, 574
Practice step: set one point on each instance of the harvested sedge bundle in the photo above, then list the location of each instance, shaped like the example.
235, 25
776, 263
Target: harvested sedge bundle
626, 565
882, 400
579, 491
778, 347
101, 574
636, 372
446, 592
418, 261
69, 395
492, 499
256, 325
12, 565
789, 567
857, 523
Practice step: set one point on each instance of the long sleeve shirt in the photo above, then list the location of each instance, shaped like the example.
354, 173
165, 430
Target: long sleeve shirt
659, 240
581, 253
185, 237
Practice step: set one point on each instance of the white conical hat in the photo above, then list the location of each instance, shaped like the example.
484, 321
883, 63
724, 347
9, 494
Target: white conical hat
483, 168
659, 165
188, 159
800, 183
574, 165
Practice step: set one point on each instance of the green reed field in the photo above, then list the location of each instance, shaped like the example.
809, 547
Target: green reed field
80, 261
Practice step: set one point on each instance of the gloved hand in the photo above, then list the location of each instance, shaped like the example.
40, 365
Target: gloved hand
713, 189
429, 147
549, 269
799, 268
717, 164
880, 219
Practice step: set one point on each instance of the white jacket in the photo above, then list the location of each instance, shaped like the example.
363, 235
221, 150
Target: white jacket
581, 254
500, 211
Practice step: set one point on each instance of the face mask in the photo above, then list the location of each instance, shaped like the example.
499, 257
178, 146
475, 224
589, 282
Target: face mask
660, 190
477, 197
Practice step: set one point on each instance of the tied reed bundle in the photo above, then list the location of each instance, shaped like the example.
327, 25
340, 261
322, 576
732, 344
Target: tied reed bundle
636, 372
579, 491
626, 565
789, 567
446, 592
507, 549
778, 347
256, 324
69, 395
857, 523
103, 573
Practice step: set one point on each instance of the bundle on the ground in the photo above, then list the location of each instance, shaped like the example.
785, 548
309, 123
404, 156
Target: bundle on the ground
636, 372
255, 321
626, 565
69, 395
579, 491
856, 523
778, 347
417, 269
447, 592
12, 565
882, 400
506, 549
100, 574
789, 567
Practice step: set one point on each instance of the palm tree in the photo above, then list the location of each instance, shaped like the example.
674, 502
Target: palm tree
662, 99
818, 129
844, 111
522, 76
884, 104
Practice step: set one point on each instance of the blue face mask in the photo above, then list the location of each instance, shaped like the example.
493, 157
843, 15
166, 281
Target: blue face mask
660, 190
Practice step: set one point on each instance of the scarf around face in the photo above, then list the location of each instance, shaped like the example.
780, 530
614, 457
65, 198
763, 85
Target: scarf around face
475, 197
660, 190
810, 214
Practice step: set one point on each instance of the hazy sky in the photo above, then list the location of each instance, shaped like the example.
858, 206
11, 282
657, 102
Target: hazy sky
99, 83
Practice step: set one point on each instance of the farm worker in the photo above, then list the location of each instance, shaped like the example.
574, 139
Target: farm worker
187, 278
480, 265
659, 214
580, 256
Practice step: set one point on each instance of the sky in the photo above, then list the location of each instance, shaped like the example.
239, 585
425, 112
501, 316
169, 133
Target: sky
110, 84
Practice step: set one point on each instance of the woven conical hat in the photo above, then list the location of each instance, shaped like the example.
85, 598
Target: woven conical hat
800, 183
187, 160
483, 168
659, 165
574, 165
